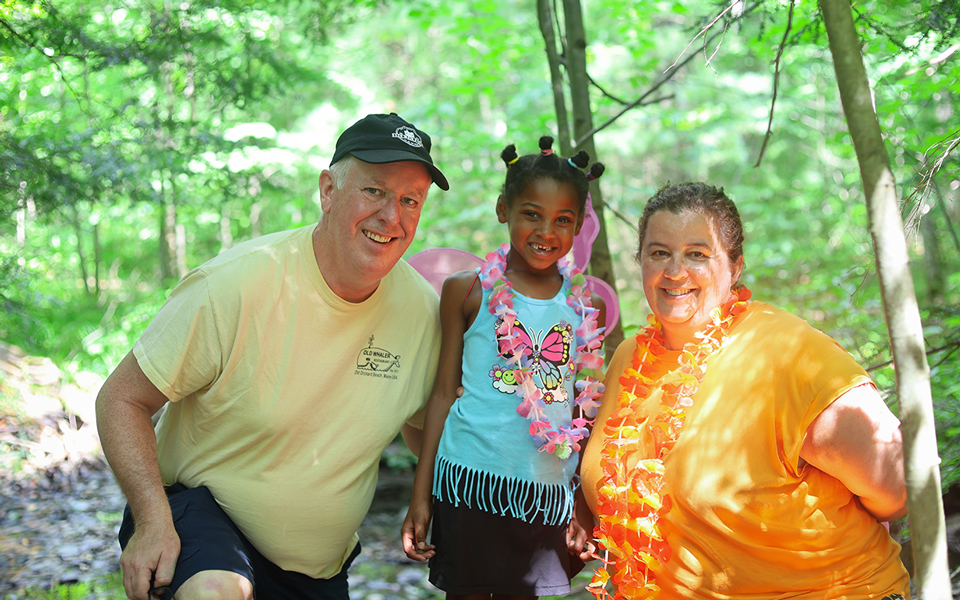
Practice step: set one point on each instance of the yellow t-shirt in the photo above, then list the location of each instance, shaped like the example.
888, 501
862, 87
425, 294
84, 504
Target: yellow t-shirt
283, 395
746, 522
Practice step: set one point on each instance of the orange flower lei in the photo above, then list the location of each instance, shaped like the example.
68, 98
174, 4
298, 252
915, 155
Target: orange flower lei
630, 503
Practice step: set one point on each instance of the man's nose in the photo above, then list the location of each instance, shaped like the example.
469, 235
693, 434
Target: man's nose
390, 211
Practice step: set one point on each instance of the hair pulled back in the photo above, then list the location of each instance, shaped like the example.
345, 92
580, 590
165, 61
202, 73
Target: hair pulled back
702, 198
524, 170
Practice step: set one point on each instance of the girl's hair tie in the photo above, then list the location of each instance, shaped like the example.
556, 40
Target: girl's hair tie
547, 151
572, 164
509, 155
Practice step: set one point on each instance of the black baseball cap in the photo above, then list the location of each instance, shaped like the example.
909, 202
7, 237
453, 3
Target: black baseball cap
380, 139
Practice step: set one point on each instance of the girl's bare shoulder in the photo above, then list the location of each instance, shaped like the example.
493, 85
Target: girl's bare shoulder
463, 289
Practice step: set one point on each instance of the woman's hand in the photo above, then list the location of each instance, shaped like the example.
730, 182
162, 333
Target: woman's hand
857, 440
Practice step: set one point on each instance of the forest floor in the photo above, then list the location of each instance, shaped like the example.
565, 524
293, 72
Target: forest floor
60, 507
58, 525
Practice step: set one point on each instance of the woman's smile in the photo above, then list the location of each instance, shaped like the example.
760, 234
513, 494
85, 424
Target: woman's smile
686, 273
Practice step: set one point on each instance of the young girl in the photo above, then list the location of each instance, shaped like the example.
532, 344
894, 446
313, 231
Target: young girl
497, 466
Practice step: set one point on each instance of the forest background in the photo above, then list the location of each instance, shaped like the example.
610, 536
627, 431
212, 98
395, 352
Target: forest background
140, 138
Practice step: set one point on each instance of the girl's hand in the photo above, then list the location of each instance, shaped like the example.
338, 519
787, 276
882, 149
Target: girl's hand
414, 531
578, 531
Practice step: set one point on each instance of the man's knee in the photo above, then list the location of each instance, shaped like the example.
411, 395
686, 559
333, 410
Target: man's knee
215, 585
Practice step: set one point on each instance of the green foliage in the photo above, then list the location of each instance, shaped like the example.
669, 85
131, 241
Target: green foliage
18, 322
123, 129
942, 329
397, 457
108, 588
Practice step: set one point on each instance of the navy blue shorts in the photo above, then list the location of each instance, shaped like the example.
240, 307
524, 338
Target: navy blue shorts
209, 540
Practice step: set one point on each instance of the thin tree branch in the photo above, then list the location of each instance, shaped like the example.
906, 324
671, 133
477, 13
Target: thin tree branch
603, 91
667, 76
621, 216
32, 44
928, 172
952, 347
703, 31
709, 59
776, 83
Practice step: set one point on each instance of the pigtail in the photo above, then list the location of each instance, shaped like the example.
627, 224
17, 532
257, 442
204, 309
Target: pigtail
509, 155
579, 160
595, 171
546, 145
523, 170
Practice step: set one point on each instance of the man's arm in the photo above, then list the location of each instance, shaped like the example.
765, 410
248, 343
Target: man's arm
125, 405
412, 437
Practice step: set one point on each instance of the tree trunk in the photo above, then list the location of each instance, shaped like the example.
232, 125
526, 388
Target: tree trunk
168, 237
226, 237
900, 306
545, 15
97, 258
81, 259
574, 58
170, 248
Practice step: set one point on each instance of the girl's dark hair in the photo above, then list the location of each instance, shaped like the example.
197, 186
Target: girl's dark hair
702, 198
524, 170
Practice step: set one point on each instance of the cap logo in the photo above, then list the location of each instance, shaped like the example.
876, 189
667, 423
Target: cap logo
408, 136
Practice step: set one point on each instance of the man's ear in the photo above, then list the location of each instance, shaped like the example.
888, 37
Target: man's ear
501, 209
327, 187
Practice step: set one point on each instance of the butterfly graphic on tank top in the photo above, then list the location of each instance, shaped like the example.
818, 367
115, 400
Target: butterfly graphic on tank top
545, 355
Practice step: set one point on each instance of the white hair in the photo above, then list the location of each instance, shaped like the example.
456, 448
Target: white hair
341, 169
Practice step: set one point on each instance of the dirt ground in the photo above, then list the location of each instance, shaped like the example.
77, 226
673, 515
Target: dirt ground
60, 510
60, 507
58, 525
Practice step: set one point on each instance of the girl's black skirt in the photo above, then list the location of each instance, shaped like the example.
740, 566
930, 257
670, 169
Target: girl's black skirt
482, 553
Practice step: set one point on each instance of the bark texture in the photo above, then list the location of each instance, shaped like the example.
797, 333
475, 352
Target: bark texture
924, 502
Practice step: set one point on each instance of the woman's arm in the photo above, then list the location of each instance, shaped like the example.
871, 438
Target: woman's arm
453, 323
857, 440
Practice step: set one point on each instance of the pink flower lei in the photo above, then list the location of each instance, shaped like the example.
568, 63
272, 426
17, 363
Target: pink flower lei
558, 440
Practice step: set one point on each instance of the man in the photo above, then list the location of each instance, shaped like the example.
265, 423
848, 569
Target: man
289, 362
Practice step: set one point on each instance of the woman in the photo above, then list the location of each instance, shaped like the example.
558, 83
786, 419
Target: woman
739, 452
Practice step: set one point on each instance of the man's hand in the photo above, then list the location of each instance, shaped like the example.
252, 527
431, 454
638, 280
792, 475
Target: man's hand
149, 560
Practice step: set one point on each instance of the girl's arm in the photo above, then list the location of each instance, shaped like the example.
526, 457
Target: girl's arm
455, 313
580, 528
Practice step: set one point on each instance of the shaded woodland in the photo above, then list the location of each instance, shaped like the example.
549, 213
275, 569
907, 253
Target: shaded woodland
138, 139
